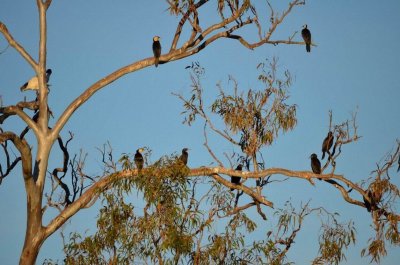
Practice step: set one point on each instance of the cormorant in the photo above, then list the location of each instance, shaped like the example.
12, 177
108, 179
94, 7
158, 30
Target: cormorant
398, 169
156, 49
315, 164
236, 180
327, 144
306, 34
375, 197
366, 202
33, 83
184, 156
139, 161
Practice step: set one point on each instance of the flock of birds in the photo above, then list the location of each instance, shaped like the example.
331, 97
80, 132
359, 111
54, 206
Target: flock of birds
139, 161
305, 33
315, 163
33, 84
326, 146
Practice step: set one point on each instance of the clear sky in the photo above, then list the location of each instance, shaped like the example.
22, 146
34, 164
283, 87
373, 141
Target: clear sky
355, 66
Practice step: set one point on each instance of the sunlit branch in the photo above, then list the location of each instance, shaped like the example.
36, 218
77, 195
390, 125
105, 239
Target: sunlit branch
18, 47
182, 22
208, 148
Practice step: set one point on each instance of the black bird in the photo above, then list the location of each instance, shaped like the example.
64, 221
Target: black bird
375, 197
48, 74
398, 169
139, 161
306, 34
184, 156
327, 144
33, 83
236, 180
367, 204
315, 164
156, 49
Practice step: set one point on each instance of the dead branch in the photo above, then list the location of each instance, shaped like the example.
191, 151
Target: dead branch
18, 47
64, 169
9, 165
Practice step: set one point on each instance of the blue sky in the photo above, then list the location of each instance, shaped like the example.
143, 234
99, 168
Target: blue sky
355, 66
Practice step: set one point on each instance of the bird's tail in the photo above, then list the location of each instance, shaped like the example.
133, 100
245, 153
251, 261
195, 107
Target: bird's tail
308, 47
157, 60
323, 156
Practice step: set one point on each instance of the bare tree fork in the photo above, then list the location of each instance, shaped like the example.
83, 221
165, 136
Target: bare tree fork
289, 240
46, 3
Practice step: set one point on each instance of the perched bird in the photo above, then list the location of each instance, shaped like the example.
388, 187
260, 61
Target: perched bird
184, 156
236, 180
327, 144
48, 73
33, 83
398, 169
367, 204
375, 197
315, 164
306, 34
139, 161
156, 49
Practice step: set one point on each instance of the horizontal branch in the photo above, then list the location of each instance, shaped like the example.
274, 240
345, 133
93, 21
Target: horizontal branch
105, 182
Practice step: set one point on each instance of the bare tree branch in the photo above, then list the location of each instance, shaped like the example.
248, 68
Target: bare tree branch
18, 47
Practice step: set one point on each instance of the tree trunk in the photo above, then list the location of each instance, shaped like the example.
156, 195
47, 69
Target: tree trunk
34, 236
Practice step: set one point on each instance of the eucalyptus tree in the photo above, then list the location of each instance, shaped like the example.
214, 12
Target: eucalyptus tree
255, 128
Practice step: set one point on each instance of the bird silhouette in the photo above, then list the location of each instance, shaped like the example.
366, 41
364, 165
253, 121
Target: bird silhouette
398, 169
33, 83
184, 156
306, 34
367, 204
315, 164
156, 49
327, 144
236, 180
375, 196
139, 161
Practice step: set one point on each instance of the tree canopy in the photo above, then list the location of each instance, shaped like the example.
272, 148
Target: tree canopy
173, 212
